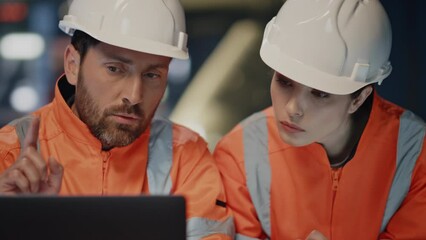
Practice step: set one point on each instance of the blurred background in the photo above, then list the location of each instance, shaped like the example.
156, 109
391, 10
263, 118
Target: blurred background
224, 80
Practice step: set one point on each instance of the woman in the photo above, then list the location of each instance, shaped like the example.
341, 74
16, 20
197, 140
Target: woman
330, 159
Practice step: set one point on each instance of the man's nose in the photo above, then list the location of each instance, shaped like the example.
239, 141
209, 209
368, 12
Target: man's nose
134, 92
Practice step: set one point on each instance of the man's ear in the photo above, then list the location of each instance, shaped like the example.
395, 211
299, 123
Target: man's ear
71, 64
360, 99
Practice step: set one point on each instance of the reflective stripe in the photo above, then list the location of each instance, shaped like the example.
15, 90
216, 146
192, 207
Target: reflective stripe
160, 157
410, 143
21, 127
242, 237
258, 169
197, 228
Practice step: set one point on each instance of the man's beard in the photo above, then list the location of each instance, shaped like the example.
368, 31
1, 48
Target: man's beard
111, 134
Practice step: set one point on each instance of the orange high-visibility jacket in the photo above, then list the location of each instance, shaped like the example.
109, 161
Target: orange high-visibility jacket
282, 192
166, 159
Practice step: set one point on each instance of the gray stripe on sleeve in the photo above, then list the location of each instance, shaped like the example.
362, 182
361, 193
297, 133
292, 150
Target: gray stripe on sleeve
160, 157
257, 166
242, 237
21, 127
410, 142
197, 228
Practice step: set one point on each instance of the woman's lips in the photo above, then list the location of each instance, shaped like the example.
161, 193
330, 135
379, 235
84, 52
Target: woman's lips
291, 128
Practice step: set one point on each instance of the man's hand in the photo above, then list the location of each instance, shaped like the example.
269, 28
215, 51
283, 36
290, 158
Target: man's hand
31, 173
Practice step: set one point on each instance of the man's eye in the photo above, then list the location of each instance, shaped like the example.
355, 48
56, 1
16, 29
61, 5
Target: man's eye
113, 69
152, 75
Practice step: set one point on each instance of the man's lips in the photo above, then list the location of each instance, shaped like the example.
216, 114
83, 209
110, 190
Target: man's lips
292, 128
126, 118
130, 116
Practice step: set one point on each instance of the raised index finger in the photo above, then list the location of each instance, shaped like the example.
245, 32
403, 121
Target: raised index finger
32, 134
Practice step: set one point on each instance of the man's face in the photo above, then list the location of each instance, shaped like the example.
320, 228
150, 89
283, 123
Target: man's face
118, 91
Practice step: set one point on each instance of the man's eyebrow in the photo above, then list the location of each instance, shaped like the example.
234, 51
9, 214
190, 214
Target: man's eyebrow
129, 61
118, 58
157, 66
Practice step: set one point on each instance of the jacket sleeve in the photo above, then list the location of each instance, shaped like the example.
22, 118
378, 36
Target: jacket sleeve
9, 147
409, 222
197, 178
229, 159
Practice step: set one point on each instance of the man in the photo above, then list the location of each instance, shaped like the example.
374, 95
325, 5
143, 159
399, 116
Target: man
98, 136
330, 159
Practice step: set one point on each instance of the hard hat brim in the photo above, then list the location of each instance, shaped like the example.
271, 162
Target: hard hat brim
309, 76
136, 44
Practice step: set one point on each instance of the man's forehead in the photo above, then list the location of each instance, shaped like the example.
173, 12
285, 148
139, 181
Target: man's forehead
129, 56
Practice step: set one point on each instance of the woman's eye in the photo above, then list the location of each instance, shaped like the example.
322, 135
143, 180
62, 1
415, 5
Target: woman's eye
320, 94
284, 82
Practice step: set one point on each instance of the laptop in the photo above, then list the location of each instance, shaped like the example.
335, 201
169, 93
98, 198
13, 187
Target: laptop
106, 218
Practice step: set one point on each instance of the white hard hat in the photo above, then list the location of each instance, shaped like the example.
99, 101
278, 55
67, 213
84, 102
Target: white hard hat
335, 46
150, 26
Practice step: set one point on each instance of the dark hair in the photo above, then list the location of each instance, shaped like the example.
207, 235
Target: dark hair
358, 92
363, 111
82, 42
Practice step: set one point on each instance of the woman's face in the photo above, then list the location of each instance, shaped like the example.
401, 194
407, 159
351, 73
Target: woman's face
305, 115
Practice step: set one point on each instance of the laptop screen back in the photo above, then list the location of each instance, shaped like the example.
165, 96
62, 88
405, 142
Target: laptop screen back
139, 217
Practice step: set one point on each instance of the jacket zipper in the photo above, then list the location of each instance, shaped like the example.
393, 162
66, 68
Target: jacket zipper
335, 177
105, 157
